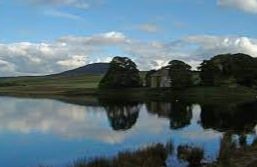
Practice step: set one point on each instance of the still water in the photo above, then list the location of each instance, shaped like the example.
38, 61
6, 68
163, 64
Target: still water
53, 132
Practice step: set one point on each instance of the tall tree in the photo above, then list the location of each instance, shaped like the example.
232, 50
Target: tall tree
180, 74
209, 72
229, 68
123, 73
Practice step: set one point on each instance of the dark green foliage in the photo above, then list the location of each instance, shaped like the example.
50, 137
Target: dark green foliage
98, 162
209, 73
193, 155
122, 116
226, 149
8, 84
229, 69
154, 156
122, 73
180, 74
237, 118
179, 114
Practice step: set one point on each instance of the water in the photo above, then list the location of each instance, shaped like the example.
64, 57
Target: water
52, 132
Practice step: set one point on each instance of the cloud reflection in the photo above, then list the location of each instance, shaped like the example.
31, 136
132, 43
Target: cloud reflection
70, 121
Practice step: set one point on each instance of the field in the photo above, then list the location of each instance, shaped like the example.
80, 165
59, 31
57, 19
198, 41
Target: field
49, 84
52, 85
84, 85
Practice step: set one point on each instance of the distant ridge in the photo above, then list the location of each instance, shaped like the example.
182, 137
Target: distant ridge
94, 69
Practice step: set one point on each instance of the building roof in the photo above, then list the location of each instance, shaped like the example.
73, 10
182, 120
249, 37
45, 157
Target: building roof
161, 72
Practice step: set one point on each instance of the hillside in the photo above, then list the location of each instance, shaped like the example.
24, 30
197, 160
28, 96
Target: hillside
92, 69
86, 77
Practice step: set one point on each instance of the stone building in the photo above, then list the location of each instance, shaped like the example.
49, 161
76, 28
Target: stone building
160, 79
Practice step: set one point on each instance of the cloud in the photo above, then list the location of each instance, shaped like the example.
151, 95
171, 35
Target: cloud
56, 8
70, 121
191, 49
149, 28
60, 14
207, 46
6, 66
75, 61
26, 58
179, 25
244, 5
82, 4
109, 38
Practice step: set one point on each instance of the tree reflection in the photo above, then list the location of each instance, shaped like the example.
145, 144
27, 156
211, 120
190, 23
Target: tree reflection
122, 115
240, 118
179, 114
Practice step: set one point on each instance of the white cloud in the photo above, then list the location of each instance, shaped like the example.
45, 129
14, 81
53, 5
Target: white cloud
82, 4
108, 38
86, 122
75, 61
70, 121
26, 58
245, 5
6, 67
207, 46
60, 14
149, 28
69, 52
55, 8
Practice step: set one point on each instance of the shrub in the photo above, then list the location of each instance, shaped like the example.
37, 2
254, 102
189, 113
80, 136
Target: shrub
193, 155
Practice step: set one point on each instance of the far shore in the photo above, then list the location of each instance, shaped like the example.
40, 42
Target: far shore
192, 94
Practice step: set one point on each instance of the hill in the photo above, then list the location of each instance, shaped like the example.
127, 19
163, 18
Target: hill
86, 77
91, 69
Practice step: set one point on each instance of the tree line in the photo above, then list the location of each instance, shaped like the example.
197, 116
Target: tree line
225, 69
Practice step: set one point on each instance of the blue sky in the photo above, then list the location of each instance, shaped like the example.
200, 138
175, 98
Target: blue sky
48, 36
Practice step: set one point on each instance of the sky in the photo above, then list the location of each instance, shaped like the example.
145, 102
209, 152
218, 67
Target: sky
40, 37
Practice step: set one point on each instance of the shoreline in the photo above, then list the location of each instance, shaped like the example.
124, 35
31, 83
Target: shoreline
191, 94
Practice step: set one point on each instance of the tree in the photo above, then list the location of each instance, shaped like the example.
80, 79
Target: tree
180, 74
229, 69
122, 73
209, 72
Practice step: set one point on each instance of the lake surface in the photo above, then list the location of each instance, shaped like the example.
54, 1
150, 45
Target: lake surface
52, 132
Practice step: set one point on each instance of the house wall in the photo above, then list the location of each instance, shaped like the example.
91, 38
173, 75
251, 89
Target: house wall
155, 82
160, 79
165, 82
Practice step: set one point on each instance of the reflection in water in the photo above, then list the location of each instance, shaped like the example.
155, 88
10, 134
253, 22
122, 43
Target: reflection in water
180, 114
122, 116
241, 118
54, 132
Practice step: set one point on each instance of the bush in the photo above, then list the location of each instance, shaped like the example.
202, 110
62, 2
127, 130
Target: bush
153, 156
193, 155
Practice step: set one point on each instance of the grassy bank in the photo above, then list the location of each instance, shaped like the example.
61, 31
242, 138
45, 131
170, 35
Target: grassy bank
49, 85
152, 156
231, 156
86, 85
156, 155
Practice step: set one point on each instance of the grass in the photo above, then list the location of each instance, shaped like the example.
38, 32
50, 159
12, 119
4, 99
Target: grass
155, 155
193, 155
205, 95
49, 84
232, 156
83, 85
152, 156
